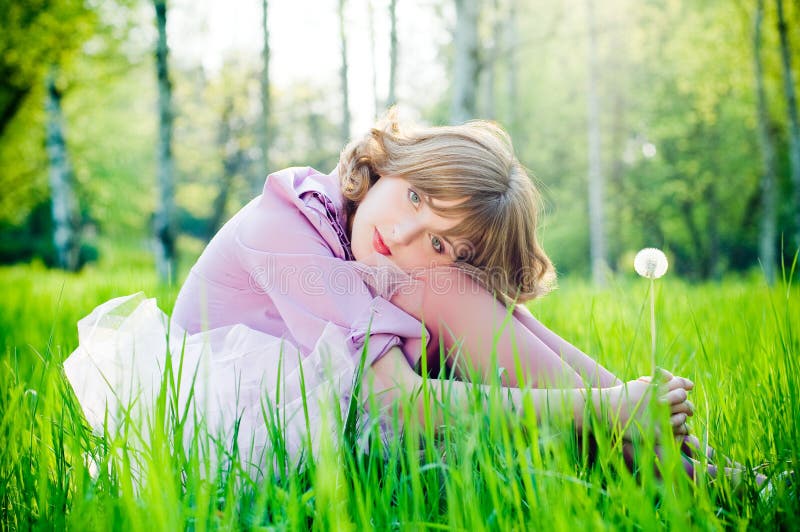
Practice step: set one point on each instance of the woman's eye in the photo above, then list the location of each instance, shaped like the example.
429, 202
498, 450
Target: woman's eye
413, 196
437, 244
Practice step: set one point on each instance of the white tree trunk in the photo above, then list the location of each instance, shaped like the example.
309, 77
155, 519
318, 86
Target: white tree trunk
512, 118
767, 227
343, 77
465, 63
392, 98
164, 219
266, 105
794, 126
230, 151
372, 57
66, 221
597, 237
490, 62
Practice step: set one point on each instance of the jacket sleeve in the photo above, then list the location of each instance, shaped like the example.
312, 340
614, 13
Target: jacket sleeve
287, 260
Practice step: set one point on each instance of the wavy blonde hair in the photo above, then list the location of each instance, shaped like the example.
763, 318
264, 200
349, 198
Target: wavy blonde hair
473, 168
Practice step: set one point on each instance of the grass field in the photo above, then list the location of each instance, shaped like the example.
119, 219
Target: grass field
738, 341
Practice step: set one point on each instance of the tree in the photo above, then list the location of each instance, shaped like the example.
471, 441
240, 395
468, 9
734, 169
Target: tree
164, 219
466, 68
597, 237
266, 103
64, 203
794, 125
511, 69
372, 57
492, 57
233, 159
345, 133
767, 229
392, 98
39, 44
33, 36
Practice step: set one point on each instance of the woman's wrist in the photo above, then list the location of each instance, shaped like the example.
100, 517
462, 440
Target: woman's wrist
597, 402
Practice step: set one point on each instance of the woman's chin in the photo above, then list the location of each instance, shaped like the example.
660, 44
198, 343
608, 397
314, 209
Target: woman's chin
369, 257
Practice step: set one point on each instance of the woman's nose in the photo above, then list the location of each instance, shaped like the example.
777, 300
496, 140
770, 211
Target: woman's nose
405, 231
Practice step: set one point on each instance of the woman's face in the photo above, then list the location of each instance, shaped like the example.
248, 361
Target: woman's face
396, 221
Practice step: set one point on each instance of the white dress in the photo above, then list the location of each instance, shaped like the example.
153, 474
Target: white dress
221, 378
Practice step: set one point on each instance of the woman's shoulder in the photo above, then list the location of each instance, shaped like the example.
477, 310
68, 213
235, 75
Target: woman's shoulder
298, 186
299, 210
441, 291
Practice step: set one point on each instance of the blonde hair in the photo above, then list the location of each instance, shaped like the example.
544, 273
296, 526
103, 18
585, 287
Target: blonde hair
474, 166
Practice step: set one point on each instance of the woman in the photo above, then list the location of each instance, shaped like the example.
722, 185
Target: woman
419, 240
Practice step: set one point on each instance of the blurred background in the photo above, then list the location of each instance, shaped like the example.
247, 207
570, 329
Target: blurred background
130, 130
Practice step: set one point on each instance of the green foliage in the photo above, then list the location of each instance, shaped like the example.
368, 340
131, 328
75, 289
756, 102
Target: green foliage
33, 35
98, 76
676, 76
486, 470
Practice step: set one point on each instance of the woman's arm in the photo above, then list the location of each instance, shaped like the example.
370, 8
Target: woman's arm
460, 312
392, 379
593, 371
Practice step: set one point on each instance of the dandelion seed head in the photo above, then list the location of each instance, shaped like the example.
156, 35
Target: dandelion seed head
650, 263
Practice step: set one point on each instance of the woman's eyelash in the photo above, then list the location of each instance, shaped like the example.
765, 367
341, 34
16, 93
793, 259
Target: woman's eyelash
416, 200
441, 245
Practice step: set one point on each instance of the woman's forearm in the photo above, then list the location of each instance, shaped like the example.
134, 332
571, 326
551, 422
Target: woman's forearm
393, 382
547, 403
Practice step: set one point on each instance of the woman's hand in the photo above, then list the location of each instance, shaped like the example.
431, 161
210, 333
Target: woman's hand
675, 394
629, 402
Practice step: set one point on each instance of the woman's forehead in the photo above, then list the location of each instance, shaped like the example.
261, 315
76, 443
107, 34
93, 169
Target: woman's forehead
442, 204
447, 215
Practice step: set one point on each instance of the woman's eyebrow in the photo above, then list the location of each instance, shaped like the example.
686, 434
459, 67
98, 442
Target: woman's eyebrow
429, 200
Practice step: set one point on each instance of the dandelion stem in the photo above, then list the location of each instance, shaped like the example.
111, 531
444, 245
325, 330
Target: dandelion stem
653, 326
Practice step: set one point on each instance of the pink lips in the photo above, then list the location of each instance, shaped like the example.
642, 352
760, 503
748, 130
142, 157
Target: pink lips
379, 245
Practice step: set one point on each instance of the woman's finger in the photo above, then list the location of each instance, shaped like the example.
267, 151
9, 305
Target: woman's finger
677, 419
663, 376
680, 430
668, 380
679, 383
674, 397
685, 407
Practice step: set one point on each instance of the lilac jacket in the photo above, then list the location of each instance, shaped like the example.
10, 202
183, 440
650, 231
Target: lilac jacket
282, 265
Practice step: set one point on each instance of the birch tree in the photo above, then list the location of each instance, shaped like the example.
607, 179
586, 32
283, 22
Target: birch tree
767, 229
511, 70
597, 237
163, 222
794, 126
345, 133
489, 67
266, 104
64, 203
232, 162
466, 68
372, 57
392, 98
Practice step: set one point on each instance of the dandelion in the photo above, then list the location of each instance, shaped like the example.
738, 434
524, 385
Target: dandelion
652, 264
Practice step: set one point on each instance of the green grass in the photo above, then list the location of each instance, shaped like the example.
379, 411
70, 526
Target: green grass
737, 340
